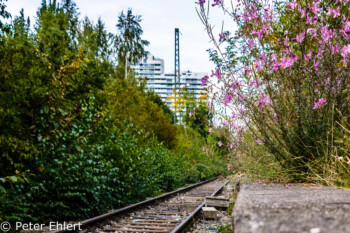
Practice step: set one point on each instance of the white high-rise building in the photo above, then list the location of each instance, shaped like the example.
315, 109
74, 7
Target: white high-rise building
149, 66
162, 83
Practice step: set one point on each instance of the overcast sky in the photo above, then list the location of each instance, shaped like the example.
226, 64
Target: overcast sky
160, 17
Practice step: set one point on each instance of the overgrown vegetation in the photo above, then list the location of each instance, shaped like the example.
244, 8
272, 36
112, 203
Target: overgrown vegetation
224, 229
282, 82
77, 138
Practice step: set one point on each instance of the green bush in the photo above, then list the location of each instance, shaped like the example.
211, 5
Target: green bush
78, 139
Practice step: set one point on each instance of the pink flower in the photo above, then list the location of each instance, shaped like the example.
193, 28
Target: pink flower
228, 99
264, 29
346, 28
334, 12
240, 97
253, 14
266, 15
254, 83
286, 62
210, 130
274, 57
201, 2
258, 65
263, 56
319, 103
233, 115
204, 149
190, 114
216, 2
308, 55
242, 111
220, 143
276, 66
296, 58
308, 20
218, 73
320, 53
292, 4
315, 7
316, 65
300, 37
326, 34
251, 44
266, 9
204, 80
228, 167
264, 100
235, 84
312, 32
335, 49
330, 11
345, 50
246, 16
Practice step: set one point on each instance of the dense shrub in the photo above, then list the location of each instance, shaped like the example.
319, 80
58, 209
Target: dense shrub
77, 138
283, 77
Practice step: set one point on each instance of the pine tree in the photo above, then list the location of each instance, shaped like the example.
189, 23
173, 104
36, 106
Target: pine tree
128, 42
3, 14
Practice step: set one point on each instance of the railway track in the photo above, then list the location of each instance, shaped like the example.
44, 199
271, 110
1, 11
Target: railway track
169, 212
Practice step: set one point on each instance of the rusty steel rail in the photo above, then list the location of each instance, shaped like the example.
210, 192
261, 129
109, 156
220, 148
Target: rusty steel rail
187, 221
105, 216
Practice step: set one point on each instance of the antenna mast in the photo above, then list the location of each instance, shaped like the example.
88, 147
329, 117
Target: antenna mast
177, 64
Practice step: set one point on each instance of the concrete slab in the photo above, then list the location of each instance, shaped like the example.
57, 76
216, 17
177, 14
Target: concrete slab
276, 208
209, 212
217, 201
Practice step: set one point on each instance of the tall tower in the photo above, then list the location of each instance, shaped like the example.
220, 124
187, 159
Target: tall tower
177, 63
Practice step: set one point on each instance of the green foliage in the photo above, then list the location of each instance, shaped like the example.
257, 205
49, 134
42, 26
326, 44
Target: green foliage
77, 139
204, 163
224, 229
155, 98
129, 44
200, 117
129, 102
3, 14
199, 120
